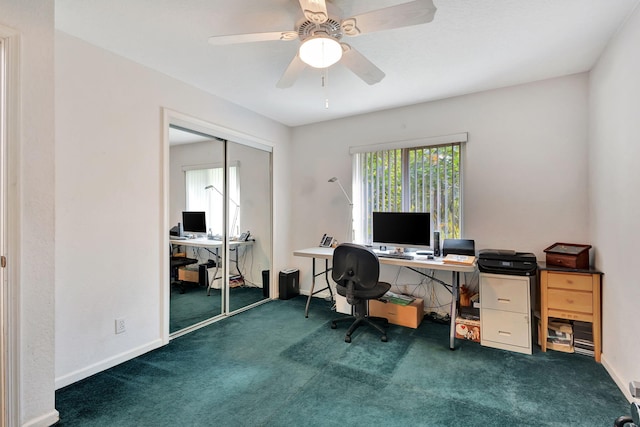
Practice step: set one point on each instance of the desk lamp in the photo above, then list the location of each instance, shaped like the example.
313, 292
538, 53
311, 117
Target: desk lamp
349, 235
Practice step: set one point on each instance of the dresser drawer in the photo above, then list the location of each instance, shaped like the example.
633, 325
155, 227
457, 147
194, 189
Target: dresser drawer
578, 282
562, 299
506, 328
504, 293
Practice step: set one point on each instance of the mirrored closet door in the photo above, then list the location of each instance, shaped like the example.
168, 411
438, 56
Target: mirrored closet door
250, 224
220, 263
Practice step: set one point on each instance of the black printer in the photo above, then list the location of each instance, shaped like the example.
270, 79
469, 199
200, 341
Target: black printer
503, 261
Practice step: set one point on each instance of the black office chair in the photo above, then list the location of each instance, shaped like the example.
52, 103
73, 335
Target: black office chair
176, 263
356, 270
633, 420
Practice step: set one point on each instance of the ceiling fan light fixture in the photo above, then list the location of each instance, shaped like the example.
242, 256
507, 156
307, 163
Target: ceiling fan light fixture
320, 51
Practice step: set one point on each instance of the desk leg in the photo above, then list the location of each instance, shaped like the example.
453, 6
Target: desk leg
215, 273
313, 285
455, 278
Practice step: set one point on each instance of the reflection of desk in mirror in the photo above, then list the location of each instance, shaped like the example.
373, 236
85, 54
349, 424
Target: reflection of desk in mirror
421, 262
215, 245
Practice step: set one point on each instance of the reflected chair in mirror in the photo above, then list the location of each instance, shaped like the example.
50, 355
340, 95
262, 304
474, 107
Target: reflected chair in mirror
177, 261
356, 270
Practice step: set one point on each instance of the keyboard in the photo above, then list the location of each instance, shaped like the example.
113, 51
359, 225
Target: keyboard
177, 238
396, 256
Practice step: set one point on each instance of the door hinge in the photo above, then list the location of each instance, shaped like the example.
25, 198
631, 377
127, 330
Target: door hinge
3, 261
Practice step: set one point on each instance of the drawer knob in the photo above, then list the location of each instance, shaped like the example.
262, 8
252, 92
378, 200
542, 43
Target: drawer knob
504, 333
504, 300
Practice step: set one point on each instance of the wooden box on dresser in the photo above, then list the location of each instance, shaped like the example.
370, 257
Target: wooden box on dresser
505, 312
572, 295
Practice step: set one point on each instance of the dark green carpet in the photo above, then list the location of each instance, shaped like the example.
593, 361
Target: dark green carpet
194, 305
270, 366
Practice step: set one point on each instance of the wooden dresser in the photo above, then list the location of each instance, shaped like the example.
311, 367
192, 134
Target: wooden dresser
573, 295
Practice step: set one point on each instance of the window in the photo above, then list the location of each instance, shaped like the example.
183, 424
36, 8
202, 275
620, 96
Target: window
200, 198
418, 178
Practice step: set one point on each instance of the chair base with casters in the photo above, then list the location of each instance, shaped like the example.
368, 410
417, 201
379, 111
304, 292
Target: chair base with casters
177, 262
356, 270
632, 421
361, 317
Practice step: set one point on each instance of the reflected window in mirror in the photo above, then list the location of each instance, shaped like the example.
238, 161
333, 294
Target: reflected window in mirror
204, 192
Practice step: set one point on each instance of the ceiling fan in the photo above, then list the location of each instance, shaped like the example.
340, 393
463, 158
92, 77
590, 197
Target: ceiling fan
322, 28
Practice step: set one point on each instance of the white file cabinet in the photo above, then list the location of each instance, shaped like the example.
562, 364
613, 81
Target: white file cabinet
505, 312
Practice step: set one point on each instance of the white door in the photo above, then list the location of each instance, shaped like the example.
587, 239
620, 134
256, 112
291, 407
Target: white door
3, 261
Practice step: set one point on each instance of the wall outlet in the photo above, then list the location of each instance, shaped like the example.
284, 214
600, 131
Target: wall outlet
120, 326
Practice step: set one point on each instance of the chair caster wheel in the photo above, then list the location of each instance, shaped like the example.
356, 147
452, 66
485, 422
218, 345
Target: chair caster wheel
347, 339
333, 325
383, 338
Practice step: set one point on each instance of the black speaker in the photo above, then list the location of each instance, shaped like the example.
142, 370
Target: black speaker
289, 283
265, 283
436, 243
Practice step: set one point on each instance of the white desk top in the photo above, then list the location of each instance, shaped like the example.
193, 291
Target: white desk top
416, 262
203, 242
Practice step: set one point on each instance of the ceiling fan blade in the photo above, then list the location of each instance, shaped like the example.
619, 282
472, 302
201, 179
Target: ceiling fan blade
315, 10
252, 37
402, 15
360, 65
296, 66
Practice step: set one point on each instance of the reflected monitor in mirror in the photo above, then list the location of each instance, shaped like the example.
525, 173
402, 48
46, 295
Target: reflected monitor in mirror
194, 222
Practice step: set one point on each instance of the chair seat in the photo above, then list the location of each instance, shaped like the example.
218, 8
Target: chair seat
180, 261
375, 292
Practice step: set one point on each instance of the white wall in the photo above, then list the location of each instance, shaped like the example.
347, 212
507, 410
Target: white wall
614, 108
525, 167
31, 221
110, 232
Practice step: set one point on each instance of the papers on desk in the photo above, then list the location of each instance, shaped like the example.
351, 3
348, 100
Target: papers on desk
459, 259
399, 299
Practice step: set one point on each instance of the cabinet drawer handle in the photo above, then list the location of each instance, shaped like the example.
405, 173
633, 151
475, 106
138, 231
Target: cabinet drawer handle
504, 300
504, 333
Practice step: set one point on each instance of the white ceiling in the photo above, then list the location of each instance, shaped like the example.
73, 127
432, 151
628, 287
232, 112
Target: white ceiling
471, 45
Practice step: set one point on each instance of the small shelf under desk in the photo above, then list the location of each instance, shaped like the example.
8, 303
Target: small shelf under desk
572, 295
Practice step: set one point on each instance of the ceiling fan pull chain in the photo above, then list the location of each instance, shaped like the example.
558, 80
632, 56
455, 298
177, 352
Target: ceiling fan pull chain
325, 85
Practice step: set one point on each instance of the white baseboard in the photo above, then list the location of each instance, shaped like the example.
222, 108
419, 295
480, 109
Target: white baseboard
80, 374
45, 420
622, 384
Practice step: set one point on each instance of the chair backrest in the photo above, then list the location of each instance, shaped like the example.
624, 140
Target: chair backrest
355, 265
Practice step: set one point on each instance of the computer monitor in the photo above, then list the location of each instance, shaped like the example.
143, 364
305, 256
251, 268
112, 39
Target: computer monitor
402, 229
194, 222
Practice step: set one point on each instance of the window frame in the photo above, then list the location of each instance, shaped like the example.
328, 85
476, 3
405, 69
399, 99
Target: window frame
234, 194
362, 218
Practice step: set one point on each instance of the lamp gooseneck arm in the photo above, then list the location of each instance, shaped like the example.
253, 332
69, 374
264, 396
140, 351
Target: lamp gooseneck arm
345, 193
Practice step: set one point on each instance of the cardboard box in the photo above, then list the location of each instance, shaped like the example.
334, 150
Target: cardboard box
410, 315
189, 274
467, 329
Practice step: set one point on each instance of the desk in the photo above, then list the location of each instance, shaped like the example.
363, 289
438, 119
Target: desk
203, 242
412, 264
